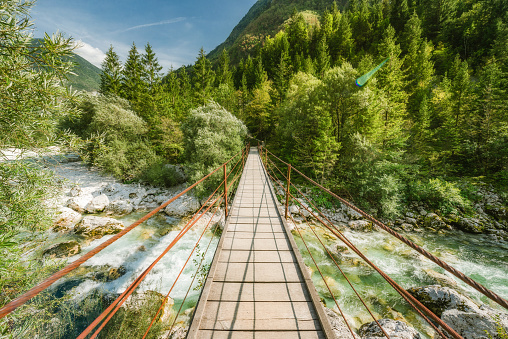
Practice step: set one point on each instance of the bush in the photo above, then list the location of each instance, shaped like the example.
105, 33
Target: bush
160, 174
439, 194
212, 136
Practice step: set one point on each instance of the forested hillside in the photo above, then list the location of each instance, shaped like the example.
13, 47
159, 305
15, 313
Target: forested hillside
427, 126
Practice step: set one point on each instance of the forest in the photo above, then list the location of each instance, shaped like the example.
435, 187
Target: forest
429, 126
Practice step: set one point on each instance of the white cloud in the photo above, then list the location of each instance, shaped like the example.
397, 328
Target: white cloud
92, 54
164, 22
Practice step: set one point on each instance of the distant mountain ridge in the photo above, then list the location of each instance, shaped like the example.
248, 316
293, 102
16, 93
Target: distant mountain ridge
264, 18
88, 76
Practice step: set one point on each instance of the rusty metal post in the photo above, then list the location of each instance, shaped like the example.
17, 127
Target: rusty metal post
287, 190
226, 190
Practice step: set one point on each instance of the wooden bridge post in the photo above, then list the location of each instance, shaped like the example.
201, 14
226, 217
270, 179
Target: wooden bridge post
287, 190
226, 190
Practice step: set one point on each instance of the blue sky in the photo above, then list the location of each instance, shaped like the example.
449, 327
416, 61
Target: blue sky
176, 29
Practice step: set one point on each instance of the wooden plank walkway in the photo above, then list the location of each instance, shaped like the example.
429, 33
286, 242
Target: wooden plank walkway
258, 286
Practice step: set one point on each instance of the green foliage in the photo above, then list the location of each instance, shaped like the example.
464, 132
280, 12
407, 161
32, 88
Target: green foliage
23, 190
159, 174
212, 135
439, 194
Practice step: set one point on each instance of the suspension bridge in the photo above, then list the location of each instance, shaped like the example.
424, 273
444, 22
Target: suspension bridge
258, 285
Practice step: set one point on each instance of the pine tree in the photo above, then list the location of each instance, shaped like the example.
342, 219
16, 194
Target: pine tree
151, 68
111, 73
203, 77
132, 84
224, 75
298, 36
322, 61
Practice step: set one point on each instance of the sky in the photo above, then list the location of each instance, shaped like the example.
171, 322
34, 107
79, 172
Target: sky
176, 29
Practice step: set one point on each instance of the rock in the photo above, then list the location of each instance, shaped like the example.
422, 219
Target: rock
79, 203
98, 204
75, 191
62, 250
119, 208
139, 301
407, 227
394, 328
338, 324
360, 225
440, 279
498, 212
107, 273
66, 219
434, 221
461, 313
183, 206
471, 225
96, 227
411, 221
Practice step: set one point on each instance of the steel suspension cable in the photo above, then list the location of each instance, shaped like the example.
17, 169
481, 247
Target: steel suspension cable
479, 287
183, 267
408, 297
22, 299
113, 308
344, 275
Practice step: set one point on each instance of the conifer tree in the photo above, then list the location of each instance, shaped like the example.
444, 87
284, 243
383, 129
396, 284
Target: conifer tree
151, 68
132, 83
203, 77
224, 75
322, 61
111, 75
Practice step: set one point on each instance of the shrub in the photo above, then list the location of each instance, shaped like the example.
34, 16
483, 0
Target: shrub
440, 194
212, 135
160, 174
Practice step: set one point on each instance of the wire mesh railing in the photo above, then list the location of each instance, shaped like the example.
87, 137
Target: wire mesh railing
282, 175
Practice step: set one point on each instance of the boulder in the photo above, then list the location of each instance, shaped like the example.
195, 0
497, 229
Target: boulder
79, 203
62, 250
360, 225
461, 313
96, 227
394, 328
75, 191
470, 225
142, 300
66, 219
440, 279
98, 204
107, 273
338, 324
119, 207
432, 220
183, 206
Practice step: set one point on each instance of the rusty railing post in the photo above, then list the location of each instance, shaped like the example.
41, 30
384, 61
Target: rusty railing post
226, 190
287, 190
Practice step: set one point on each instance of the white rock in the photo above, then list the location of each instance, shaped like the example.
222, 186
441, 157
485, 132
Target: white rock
360, 225
75, 191
119, 207
66, 219
98, 204
96, 227
183, 206
80, 202
339, 327
396, 329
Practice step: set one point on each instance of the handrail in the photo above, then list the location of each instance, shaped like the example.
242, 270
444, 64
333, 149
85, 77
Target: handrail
34, 291
479, 287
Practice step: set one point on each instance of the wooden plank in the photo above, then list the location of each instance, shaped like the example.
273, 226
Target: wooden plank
224, 291
257, 272
208, 334
256, 244
256, 256
278, 316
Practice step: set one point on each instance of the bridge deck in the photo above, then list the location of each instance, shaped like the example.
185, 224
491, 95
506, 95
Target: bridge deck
258, 286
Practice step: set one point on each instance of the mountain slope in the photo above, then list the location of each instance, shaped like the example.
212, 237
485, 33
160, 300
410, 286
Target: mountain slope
88, 76
266, 17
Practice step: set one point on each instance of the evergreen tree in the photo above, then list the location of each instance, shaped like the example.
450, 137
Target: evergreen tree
282, 75
298, 36
111, 75
392, 83
151, 69
322, 61
203, 77
224, 75
132, 83
342, 41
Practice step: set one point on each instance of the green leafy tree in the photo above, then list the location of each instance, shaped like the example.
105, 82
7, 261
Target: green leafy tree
111, 75
132, 82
